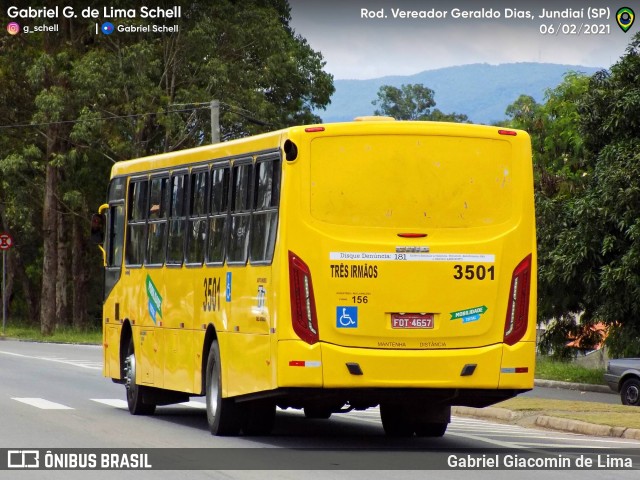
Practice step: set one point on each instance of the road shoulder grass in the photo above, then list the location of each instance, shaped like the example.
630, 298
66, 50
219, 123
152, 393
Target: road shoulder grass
547, 369
61, 335
590, 412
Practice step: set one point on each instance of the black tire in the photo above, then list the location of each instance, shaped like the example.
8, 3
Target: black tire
223, 414
432, 429
137, 401
258, 417
396, 420
432, 422
630, 392
321, 413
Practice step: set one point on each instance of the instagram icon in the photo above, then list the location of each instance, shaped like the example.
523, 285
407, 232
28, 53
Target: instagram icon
13, 28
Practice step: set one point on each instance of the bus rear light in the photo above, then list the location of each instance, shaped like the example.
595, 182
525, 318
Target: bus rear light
305, 363
412, 235
515, 370
314, 129
508, 132
303, 305
516, 323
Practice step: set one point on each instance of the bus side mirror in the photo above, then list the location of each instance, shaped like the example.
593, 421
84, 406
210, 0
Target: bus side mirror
97, 228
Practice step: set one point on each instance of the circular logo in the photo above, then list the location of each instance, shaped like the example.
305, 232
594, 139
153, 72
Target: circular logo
108, 28
13, 28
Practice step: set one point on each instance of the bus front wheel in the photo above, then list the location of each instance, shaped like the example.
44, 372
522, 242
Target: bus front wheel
135, 393
222, 413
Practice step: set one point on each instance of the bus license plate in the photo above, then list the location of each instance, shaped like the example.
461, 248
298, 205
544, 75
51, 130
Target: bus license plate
412, 320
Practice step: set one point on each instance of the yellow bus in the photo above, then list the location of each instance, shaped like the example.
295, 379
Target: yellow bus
325, 268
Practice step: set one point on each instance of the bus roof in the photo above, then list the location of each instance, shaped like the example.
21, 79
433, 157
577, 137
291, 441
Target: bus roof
273, 140
263, 142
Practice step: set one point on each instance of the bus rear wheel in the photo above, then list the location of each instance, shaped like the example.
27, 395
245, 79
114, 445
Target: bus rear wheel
405, 419
137, 402
396, 420
223, 414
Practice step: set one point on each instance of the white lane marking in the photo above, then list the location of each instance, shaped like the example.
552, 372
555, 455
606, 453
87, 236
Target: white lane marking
112, 402
520, 435
122, 404
42, 403
548, 445
501, 433
500, 430
498, 443
76, 363
192, 404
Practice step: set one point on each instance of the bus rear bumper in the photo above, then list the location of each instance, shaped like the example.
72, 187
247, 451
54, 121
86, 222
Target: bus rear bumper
325, 365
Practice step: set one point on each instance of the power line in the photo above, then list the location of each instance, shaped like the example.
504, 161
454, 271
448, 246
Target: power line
244, 113
112, 117
247, 116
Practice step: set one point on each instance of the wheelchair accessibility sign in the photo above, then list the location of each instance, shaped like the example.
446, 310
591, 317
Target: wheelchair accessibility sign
347, 317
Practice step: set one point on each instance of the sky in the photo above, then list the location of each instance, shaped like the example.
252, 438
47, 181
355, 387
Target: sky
360, 48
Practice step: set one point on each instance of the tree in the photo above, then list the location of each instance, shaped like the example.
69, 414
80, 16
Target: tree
20, 212
412, 102
409, 102
561, 171
611, 207
439, 116
558, 150
93, 100
589, 216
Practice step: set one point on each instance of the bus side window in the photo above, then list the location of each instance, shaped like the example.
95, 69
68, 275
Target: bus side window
238, 244
116, 236
177, 218
218, 208
158, 213
137, 227
264, 221
197, 231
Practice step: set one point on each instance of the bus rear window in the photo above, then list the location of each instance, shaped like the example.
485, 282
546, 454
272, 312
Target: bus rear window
408, 181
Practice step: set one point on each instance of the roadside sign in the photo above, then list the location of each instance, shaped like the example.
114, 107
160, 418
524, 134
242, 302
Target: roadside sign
6, 242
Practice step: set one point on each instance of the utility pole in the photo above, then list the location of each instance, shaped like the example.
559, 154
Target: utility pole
215, 121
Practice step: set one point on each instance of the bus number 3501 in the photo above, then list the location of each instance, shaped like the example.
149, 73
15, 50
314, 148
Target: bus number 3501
469, 272
211, 294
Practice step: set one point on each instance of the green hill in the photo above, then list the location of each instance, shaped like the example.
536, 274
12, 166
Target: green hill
481, 91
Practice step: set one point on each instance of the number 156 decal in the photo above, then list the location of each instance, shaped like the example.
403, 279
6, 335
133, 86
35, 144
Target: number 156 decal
469, 272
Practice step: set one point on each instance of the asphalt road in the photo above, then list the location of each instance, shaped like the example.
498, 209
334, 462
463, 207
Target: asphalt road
565, 394
54, 396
